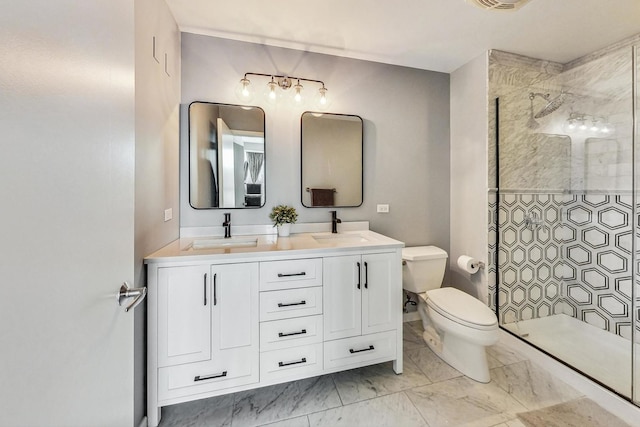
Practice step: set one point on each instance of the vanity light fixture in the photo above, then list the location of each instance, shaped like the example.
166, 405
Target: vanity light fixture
279, 85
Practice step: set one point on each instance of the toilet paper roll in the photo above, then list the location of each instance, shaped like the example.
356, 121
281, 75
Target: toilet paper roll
468, 264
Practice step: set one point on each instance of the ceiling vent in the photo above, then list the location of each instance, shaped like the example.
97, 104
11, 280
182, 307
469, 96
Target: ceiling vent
499, 4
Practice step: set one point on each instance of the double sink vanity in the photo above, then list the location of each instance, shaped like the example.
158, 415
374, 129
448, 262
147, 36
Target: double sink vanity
226, 315
237, 313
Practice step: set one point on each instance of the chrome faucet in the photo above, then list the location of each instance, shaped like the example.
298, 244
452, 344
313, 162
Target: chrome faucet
334, 222
227, 225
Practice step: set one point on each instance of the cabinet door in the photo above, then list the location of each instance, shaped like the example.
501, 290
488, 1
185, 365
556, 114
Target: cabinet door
235, 305
380, 292
184, 315
342, 296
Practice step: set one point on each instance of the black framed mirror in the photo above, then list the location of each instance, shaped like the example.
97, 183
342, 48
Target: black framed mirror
331, 151
227, 156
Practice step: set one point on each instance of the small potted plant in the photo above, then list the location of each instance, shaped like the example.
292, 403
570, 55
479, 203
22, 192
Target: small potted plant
283, 216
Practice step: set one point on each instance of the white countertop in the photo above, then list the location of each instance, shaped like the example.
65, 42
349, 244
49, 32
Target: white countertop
268, 245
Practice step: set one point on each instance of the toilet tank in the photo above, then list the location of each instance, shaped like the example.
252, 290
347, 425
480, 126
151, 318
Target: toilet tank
423, 268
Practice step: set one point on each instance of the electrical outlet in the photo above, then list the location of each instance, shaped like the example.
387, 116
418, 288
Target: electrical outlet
168, 214
383, 208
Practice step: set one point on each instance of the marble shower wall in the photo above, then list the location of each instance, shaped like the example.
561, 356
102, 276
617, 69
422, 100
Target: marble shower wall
543, 165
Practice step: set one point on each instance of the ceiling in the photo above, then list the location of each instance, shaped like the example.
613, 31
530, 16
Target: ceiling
438, 35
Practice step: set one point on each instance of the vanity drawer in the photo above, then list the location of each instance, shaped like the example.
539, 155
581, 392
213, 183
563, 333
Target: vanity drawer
279, 334
228, 368
298, 273
355, 350
292, 362
275, 305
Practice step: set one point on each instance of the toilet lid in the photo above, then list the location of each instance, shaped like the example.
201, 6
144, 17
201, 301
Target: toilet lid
458, 305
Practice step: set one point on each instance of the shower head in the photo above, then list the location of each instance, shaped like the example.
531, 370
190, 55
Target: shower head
552, 103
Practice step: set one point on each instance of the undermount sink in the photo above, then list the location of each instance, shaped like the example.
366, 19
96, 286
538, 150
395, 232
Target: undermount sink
222, 243
342, 238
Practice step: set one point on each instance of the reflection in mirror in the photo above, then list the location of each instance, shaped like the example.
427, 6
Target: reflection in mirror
331, 152
226, 156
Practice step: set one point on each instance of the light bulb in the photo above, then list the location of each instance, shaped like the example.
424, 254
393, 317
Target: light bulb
272, 91
322, 100
583, 125
297, 93
572, 124
244, 90
594, 127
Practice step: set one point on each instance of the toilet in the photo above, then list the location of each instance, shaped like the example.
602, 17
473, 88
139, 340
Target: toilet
457, 326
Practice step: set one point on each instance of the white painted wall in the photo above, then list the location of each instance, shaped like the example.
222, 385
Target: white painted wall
469, 164
406, 134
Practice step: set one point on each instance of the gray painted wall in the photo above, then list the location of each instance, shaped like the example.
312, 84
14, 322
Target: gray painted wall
406, 134
157, 100
469, 163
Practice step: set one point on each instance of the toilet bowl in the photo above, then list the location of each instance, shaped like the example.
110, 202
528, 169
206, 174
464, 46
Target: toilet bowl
457, 326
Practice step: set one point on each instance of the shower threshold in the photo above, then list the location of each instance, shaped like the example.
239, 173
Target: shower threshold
604, 356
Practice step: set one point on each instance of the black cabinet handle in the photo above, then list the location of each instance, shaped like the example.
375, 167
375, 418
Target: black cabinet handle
205, 288
303, 360
303, 302
210, 377
358, 268
280, 334
360, 351
366, 276
215, 290
303, 273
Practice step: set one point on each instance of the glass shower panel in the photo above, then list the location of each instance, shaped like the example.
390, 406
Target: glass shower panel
636, 226
564, 210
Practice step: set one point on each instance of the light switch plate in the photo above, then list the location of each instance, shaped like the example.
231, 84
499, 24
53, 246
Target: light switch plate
383, 208
168, 214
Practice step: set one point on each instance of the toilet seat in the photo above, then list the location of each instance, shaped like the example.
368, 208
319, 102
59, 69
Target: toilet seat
461, 308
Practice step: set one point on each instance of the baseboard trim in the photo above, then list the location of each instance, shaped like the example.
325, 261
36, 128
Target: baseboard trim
411, 316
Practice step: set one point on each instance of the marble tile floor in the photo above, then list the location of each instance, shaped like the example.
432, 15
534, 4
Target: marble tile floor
429, 393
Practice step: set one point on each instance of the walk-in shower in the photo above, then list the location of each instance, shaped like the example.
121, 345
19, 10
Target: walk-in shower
563, 209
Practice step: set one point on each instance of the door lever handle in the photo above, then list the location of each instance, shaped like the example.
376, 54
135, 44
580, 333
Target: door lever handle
127, 292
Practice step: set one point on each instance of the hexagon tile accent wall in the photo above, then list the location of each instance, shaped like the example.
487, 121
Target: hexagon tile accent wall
562, 253
530, 262
598, 251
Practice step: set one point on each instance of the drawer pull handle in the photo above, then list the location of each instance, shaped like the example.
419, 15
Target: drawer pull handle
280, 334
303, 360
303, 273
364, 349
303, 302
210, 377
359, 273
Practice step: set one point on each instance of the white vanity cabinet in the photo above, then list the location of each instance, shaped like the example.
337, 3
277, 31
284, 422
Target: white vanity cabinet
225, 321
203, 331
361, 308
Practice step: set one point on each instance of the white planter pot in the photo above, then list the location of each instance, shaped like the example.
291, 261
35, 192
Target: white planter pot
284, 230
